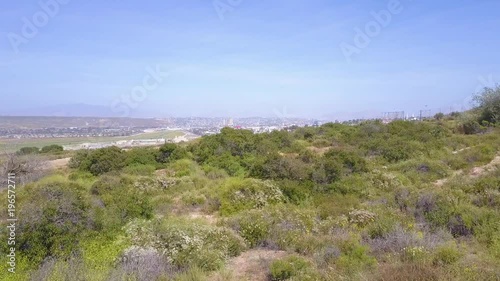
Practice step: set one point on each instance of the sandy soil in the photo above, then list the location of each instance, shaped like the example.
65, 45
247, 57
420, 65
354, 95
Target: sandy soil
251, 265
474, 173
57, 164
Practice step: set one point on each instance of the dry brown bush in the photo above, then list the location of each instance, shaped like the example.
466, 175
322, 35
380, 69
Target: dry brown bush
26, 169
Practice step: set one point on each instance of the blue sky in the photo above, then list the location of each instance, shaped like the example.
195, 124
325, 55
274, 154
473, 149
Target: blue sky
263, 58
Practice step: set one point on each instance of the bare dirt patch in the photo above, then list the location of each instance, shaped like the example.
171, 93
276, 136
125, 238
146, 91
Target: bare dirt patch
251, 265
474, 173
197, 214
320, 150
57, 164
479, 171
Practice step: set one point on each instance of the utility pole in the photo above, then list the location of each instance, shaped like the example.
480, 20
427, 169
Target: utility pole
424, 112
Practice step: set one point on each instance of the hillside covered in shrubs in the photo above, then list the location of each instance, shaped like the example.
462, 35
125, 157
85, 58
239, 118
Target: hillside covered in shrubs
398, 201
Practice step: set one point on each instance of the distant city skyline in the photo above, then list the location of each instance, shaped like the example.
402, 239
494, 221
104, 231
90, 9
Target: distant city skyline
86, 110
311, 59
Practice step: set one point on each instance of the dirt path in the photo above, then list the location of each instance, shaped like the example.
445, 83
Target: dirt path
211, 219
251, 265
479, 171
57, 164
474, 173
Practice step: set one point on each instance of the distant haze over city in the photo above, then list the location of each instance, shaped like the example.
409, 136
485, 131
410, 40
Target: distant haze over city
312, 59
87, 110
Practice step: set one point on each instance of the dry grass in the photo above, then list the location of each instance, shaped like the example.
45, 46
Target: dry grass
252, 265
407, 272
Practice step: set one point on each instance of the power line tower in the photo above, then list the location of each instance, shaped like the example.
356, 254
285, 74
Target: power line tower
425, 113
392, 116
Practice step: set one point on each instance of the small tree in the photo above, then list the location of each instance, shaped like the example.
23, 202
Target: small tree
439, 116
52, 149
469, 125
28, 150
100, 161
488, 102
170, 152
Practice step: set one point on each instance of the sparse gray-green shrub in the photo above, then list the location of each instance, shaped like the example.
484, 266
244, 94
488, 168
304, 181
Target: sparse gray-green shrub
187, 243
254, 226
282, 227
183, 167
245, 194
194, 199
292, 267
361, 218
140, 170
354, 256
142, 264
422, 170
447, 254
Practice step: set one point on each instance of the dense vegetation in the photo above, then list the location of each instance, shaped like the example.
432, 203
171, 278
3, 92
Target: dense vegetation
398, 201
54, 148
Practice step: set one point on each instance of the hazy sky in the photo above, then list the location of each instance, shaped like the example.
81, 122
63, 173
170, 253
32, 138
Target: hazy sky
247, 57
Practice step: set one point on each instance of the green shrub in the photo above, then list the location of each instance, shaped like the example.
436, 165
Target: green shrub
194, 199
28, 150
254, 226
478, 155
55, 216
422, 170
282, 226
290, 267
52, 149
187, 243
398, 150
354, 257
489, 104
415, 254
142, 156
486, 183
214, 173
100, 253
294, 192
447, 254
99, 161
122, 200
245, 194
333, 205
140, 170
469, 126
228, 163
361, 218
383, 225
183, 167
170, 152
192, 274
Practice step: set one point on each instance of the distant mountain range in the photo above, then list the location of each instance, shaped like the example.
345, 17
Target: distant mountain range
102, 111
66, 110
